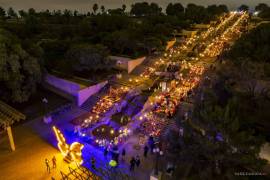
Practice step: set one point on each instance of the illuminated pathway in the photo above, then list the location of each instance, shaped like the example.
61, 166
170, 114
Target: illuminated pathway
159, 104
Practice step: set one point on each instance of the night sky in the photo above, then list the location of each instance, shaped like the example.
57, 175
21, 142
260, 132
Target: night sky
86, 5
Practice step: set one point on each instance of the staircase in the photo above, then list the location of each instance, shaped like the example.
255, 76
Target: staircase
92, 100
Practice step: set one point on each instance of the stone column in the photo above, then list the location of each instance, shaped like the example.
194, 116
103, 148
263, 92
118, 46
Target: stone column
10, 137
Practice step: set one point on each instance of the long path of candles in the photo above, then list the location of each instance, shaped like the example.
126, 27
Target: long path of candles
167, 102
164, 102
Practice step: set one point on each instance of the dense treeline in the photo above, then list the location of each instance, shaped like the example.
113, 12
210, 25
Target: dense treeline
263, 10
230, 121
254, 46
72, 42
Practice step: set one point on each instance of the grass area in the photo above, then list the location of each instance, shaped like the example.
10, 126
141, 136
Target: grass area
34, 107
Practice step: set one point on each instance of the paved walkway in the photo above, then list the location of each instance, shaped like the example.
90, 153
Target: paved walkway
35, 141
28, 161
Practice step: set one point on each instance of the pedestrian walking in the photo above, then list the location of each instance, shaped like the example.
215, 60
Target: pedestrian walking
132, 164
54, 162
151, 143
106, 152
123, 153
145, 151
93, 163
137, 161
117, 156
47, 165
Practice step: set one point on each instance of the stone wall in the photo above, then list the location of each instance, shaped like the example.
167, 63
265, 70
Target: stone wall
170, 44
132, 64
127, 63
67, 86
79, 92
85, 93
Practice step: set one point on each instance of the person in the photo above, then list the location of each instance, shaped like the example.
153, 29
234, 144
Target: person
123, 153
137, 161
47, 165
54, 162
151, 143
93, 162
132, 164
145, 152
116, 156
170, 169
106, 152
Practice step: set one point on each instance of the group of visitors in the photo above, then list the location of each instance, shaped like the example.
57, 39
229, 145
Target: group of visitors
114, 151
134, 162
47, 163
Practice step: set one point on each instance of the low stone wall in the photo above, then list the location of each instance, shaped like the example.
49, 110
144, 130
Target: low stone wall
170, 44
85, 93
79, 92
127, 63
65, 85
134, 63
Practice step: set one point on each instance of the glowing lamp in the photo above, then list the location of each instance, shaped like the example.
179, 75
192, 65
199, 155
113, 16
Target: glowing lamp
113, 163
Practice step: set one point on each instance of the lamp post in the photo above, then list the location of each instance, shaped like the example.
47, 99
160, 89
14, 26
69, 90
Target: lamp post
158, 153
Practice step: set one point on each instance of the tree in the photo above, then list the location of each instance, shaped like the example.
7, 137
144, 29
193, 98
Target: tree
31, 12
22, 13
2, 12
95, 8
243, 7
119, 41
155, 9
145, 9
151, 44
67, 13
102, 9
195, 13
84, 57
117, 11
223, 8
253, 46
227, 144
261, 7
11, 13
124, 7
175, 9
19, 71
75, 13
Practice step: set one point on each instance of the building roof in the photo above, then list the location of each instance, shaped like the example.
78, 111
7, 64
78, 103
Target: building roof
9, 115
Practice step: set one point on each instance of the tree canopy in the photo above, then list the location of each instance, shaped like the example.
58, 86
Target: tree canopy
176, 9
254, 46
145, 9
19, 70
83, 57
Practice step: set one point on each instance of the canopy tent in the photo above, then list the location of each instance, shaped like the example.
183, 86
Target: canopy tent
9, 116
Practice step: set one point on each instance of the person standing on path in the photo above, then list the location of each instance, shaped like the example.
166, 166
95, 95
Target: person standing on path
145, 151
47, 165
105, 152
123, 153
137, 161
93, 162
132, 164
54, 162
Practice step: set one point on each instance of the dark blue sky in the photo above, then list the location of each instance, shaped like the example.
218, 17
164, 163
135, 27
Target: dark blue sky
86, 5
